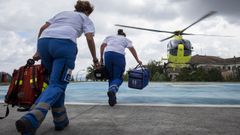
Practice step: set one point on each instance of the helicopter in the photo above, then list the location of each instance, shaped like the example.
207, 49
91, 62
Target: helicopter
179, 49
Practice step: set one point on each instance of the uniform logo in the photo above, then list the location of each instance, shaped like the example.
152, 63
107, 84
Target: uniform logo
68, 75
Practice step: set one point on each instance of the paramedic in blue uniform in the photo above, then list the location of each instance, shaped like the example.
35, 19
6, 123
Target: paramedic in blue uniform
57, 49
113, 48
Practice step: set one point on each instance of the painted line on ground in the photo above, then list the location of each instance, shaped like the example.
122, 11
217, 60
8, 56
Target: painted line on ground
159, 105
156, 105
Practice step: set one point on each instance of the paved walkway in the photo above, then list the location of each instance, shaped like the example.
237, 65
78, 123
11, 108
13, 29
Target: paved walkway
137, 120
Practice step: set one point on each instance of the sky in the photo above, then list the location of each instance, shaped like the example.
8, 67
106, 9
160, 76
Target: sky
20, 21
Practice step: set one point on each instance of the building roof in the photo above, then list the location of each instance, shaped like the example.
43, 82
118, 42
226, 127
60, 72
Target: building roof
203, 59
234, 60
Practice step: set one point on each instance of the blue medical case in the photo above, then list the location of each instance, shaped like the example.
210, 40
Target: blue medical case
138, 77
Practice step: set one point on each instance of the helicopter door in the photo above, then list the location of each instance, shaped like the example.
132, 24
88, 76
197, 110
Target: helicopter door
187, 47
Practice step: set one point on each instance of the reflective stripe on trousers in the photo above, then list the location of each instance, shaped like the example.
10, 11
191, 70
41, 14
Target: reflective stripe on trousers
37, 114
59, 116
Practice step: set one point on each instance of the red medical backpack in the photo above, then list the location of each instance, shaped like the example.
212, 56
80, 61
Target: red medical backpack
26, 85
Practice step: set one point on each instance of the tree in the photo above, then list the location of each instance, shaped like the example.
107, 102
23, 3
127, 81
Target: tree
125, 76
154, 67
200, 75
90, 73
156, 76
214, 74
184, 75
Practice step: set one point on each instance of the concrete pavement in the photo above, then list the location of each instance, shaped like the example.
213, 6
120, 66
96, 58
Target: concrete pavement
137, 120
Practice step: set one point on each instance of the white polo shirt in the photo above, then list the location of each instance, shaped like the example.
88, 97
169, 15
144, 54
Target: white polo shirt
117, 43
68, 25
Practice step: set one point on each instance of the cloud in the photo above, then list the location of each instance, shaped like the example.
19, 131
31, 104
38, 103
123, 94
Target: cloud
15, 51
228, 9
151, 10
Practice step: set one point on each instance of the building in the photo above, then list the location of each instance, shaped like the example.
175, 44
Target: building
229, 67
229, 64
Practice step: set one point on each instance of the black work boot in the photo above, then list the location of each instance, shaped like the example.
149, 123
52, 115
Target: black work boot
25, 127
60, 128
112, 100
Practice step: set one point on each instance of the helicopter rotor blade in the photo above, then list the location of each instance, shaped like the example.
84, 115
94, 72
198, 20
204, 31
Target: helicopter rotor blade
139, 28
200, 19
167, 38
191, 34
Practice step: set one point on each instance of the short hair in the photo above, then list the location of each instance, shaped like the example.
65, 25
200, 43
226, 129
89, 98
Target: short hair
120, 32
84, 6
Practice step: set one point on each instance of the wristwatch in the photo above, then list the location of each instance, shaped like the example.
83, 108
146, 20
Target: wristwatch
95, 61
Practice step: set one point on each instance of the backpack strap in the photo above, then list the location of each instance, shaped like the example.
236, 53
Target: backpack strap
18, 82
30, 63
18, 86
34, 79
6, 114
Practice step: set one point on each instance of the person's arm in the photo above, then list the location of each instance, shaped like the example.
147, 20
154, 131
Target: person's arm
134, 53
101, 52
91, 46
43, 28
36, 56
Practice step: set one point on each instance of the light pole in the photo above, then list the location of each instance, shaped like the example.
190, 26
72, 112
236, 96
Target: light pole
235, 68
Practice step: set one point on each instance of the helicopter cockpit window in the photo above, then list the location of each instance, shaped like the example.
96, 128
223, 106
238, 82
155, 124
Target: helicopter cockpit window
187, 47
173, 44
173, 47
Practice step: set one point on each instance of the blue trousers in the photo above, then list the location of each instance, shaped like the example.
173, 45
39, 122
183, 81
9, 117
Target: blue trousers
58, 57
115, 64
